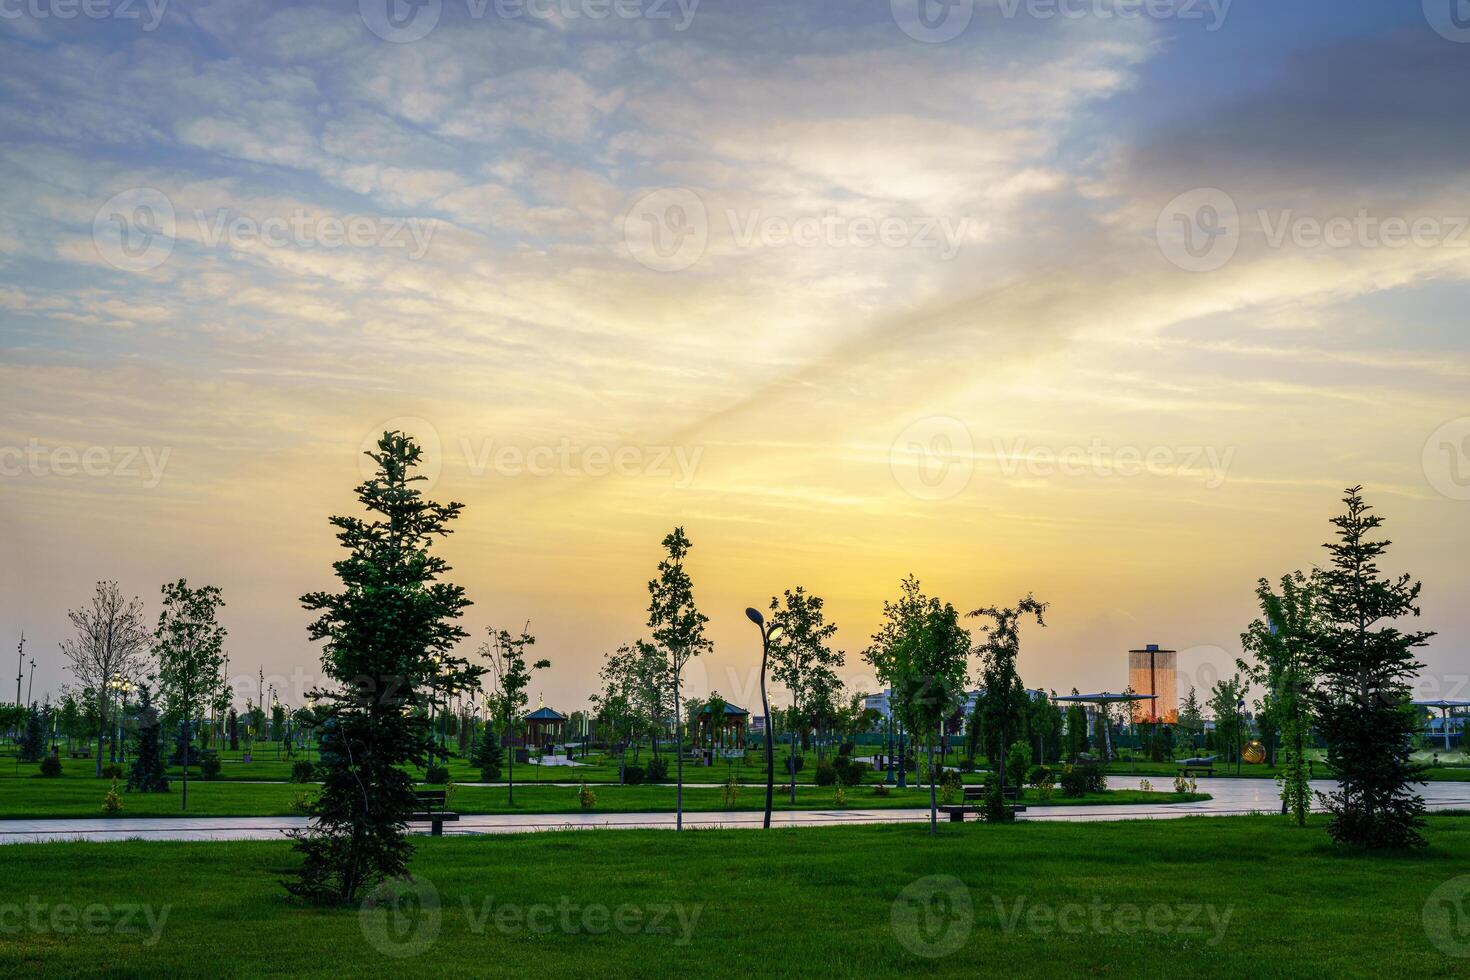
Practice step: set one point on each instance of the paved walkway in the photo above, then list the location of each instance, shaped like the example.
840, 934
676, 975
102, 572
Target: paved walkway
1230, 797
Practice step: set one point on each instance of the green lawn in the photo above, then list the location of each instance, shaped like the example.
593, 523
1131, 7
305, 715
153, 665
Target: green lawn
265, 766
1219, 897
81, 797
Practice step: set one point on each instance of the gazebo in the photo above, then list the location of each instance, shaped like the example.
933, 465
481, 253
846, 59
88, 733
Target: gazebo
731, 729
1102, 701
1444, 707
544, 726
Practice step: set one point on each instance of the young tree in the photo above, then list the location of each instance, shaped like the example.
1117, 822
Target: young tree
510, 676
1224, 704
189, 643
388, 635
148, 774
1077, 729
1006, 699
32, 745
111, 642
1191, 717
678, 629
1365, 665
1281, 645
921, 652
801, 657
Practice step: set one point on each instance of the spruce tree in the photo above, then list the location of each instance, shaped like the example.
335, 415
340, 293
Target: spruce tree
1365, 664
389, 638
487, 756
33, 741
148, 774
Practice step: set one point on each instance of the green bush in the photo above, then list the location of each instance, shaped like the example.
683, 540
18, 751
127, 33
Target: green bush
657, 771
633, 775
112, 771
438, 775
302, 772
1018, 761
850, 771
826, 774
1039, 776
51, 767
967, 764
1083, 778
209, 765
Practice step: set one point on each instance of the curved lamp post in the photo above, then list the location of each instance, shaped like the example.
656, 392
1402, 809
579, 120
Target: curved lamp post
767, 635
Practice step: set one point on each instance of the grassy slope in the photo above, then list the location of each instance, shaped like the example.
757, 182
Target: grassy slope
817, 902
78, 797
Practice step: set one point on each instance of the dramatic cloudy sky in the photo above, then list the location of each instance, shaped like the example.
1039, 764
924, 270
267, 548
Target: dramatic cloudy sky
1010, 295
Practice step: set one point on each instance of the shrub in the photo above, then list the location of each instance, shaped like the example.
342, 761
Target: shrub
209, 765
586, 797
949, 787
488, 757
730, 791
657, 771
845, 749
438, 775
1039, 776
826, 774
51, 767
112, 771
302, 772
839, 798
967, 764
633, 775
301, 802
794, 764
1083, 778
881, 789
111, 805
1018, 760
1145, 785
850, 771
995, 809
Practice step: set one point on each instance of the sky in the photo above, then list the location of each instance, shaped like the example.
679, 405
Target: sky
1099, 300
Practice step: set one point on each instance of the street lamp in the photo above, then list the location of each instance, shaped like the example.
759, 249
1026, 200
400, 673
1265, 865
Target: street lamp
1239, 712
767, 635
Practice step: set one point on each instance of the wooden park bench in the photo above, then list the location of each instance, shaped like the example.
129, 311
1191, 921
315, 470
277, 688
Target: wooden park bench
973, 796
430, 810
1189, 767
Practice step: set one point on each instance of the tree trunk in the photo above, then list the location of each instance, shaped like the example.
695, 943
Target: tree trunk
101, 734
186, 767
933, 803
678, 757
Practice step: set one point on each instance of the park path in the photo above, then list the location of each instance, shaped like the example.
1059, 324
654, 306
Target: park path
1230, 797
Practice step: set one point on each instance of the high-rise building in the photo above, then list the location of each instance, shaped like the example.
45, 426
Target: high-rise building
1154, 671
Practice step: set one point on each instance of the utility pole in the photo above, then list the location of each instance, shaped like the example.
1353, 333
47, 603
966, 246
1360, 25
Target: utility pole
20, 667
32, 685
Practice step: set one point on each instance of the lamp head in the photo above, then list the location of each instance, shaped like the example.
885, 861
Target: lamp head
754, 615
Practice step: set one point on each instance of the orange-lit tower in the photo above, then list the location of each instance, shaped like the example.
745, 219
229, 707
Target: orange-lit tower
1155, 671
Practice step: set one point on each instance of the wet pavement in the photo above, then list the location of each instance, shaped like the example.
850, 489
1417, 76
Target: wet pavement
1230, 797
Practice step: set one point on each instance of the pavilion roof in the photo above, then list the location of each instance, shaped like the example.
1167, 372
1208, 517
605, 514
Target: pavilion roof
544, 713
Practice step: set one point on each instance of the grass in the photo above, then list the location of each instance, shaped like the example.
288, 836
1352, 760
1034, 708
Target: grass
604, 770
74, 797
1213, 897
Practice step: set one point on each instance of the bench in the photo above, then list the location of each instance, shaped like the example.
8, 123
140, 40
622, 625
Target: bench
426, 802
972, 796
1189, 767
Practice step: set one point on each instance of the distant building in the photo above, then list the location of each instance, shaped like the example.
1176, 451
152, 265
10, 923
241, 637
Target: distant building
1154, 671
